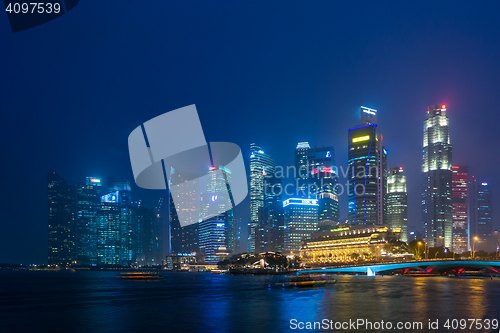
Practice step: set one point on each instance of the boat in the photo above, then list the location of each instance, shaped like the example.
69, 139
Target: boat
139, 276
302, 280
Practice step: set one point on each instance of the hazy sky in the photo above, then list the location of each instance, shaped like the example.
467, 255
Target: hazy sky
271, 73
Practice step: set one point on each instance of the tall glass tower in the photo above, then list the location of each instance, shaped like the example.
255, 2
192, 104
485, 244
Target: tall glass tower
322, 184
397, 201
261, 165
301, 221
367, 163
216, 232
437, 205
61, 221
88, 208
301, 170
459, 192
484, 220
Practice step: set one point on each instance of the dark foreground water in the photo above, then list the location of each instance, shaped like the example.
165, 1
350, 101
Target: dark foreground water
201, 302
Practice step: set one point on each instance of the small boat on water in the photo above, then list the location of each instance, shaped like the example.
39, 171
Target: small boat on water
302, 280
139, 276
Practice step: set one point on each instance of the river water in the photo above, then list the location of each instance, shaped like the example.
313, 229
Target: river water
202, 302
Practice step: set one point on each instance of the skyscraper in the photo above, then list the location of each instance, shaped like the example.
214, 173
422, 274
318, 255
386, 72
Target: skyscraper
88, 207
459, 193
301, 220
147, 227
484, 218
61, 221
115, 233
184, 239
301, 169
367, 176
269, 234
397, 202
322, 184
215, 231
437, 178
261, 165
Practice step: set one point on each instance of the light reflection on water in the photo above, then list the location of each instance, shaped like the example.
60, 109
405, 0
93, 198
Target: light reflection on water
201, 302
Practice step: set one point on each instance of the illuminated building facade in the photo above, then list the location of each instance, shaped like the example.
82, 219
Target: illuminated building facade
147, 236
484, 218
88, 207
114, 235
322, 184
367, 163
348, 243
270, 231
261, 165
212, 239
437, 179
216, 231
61, 221
301, 168
459, 194
301, 220
397, 202
183, 239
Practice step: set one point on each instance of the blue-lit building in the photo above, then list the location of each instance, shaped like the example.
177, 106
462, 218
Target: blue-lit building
301, 220
146, 224
367, 172
484, 218
212, 233
215, 231
115, 235
61, 208
437, 204
262, 168
322, 184
88, 208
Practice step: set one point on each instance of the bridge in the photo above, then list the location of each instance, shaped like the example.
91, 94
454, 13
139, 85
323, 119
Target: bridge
428, 266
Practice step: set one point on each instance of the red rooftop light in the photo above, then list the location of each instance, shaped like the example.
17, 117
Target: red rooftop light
443, 106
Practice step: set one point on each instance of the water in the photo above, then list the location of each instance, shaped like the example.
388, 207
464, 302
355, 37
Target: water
201, 302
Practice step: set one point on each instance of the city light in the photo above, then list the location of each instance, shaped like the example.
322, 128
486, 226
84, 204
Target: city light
305, 202
361, 138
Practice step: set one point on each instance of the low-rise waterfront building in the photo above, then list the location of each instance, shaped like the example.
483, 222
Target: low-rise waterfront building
348, 243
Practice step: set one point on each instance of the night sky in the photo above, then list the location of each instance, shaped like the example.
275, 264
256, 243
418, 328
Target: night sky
273, 73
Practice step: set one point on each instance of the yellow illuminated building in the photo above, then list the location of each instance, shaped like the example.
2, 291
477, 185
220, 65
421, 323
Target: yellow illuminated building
348, 244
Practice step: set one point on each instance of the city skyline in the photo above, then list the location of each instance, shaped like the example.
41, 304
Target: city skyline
76, 122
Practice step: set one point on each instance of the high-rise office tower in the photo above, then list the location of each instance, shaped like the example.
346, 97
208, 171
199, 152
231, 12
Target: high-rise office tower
301, 220
115, 232
459, 194
367, 163
322, 184
215, 231
472, 194
213, 237
88, 207
183, 239
397, 201
437, 179
301, 167
147, 227
61, 221
269, 233
484, 218
261, 165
